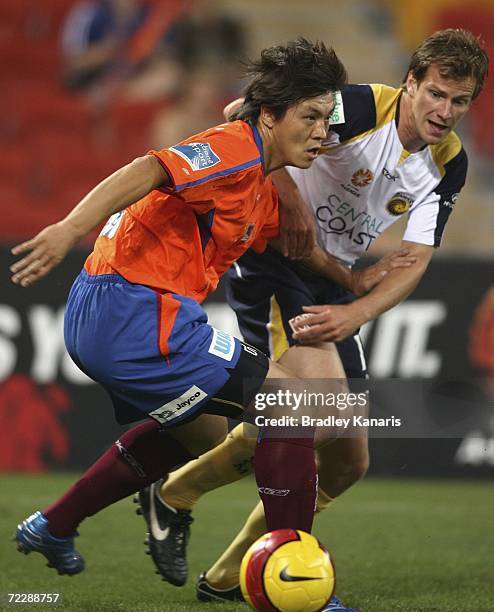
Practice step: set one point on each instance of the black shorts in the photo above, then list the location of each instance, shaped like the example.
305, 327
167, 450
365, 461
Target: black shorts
267, 290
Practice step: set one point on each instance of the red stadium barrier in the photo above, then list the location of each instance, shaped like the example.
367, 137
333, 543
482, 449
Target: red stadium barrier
425, 341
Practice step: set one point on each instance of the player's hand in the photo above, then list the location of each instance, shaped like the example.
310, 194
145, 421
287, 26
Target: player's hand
365, 279
44, 252
297, 236
327, 323
232, 108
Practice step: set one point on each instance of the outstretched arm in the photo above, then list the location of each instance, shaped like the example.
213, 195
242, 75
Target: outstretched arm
358, 281
330, 323
122, 188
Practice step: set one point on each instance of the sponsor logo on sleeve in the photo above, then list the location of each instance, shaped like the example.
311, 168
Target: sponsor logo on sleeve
450, 203
338, 114
222, 344
179, 405
400, 203
199, 155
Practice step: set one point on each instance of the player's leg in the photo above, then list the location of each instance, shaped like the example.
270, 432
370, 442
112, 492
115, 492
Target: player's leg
341, 463
284, 464
168, 527
135, 460
320, 362
224, 573
142, 454
171, 501
231, 460
265, 292
263, 317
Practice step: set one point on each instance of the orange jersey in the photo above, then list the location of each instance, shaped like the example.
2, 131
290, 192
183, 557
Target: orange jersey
182, 239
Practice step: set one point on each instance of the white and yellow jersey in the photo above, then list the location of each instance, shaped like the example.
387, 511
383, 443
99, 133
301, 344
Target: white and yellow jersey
365, 180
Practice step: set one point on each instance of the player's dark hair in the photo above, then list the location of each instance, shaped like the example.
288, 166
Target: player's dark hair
285, 75
458, 54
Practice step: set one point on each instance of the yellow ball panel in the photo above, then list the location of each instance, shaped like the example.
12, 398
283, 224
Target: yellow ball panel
299, 576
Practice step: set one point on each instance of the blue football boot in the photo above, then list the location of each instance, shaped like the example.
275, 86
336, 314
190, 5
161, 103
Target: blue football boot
33, 535
335, 605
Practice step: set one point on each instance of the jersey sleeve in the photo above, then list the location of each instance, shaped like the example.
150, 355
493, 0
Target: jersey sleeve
360, 109
194, 164
427, 220
354, 112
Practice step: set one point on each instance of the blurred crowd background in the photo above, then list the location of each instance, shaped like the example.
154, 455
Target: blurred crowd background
89, 84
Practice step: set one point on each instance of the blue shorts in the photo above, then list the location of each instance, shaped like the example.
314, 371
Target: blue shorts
155, 353
268, 290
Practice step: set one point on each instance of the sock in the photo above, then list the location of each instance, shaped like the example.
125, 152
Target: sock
287, 481
225, 572
138, 458
228, 462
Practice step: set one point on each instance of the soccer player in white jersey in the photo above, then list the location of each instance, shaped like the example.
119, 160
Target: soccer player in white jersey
391, 151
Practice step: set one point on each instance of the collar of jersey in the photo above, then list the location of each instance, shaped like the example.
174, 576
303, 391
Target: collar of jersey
258, 141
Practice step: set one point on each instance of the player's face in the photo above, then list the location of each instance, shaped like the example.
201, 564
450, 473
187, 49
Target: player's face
298, 136
438, 104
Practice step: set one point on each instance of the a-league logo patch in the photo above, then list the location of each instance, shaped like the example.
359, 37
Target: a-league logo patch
199, 155
362, 177
222, 344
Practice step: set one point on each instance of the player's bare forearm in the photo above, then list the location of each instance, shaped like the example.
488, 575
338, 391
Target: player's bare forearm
297, 226
397, 285
333, 323
122, 188
359, 281
287, 190
115, 193
329, 267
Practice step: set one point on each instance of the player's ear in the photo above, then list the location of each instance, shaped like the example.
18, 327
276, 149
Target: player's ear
267, 117
411, 84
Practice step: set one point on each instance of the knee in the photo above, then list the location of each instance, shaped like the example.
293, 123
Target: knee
209, 440
336, 478
245, 437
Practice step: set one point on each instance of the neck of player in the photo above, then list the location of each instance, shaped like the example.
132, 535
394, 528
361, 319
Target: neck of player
271, 151
407, 130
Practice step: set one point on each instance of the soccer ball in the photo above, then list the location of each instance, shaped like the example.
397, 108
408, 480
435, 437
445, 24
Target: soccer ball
287, 570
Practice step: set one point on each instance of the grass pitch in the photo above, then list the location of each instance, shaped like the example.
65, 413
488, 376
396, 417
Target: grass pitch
398, 545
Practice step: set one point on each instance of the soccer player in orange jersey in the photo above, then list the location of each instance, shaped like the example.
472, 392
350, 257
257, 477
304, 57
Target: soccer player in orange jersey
178, 218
